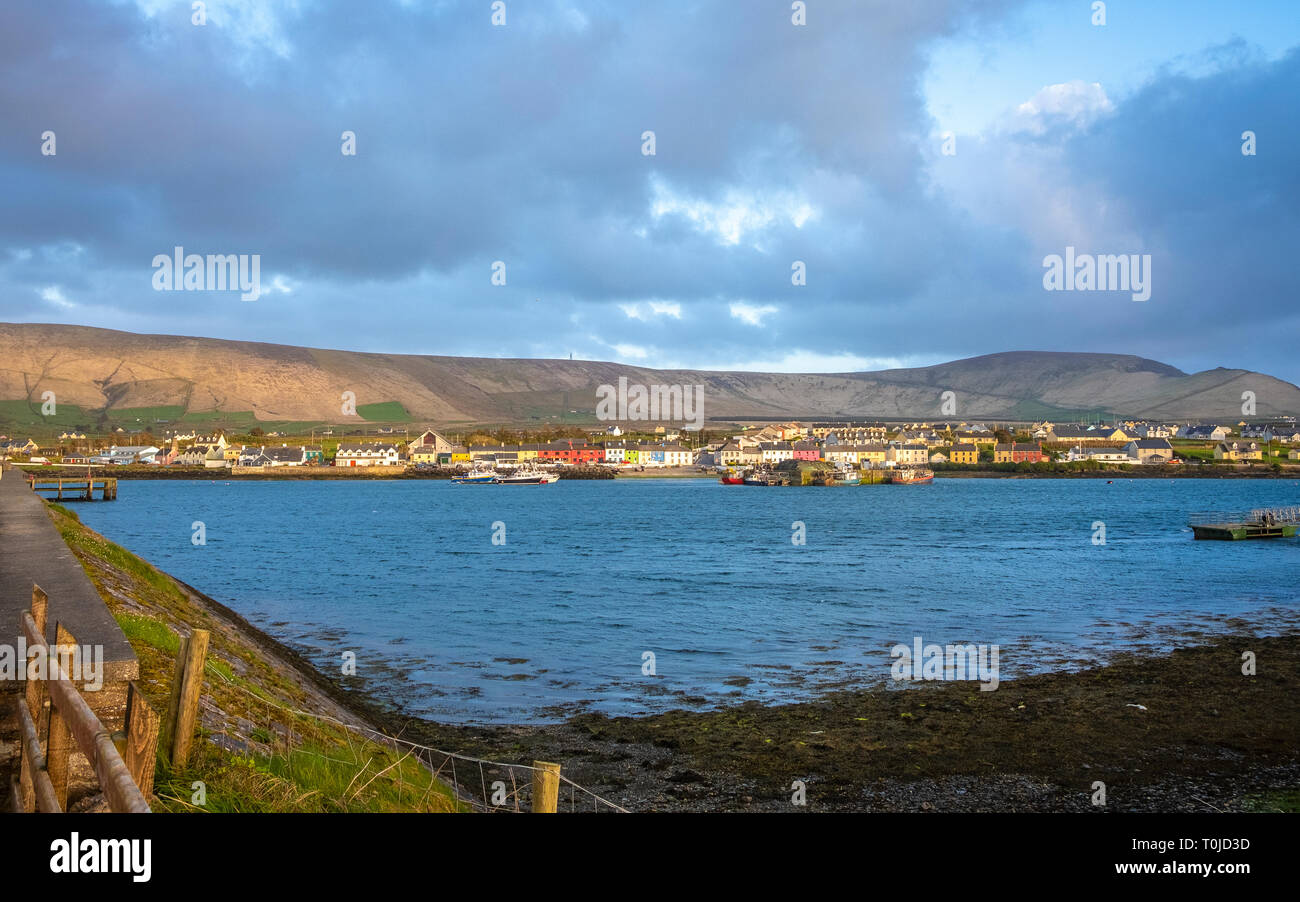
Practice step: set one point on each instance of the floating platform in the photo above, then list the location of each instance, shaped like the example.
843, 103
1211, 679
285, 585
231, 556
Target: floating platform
1242, 531
1275, 523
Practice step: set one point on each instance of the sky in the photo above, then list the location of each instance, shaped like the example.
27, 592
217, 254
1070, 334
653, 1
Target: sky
914, 164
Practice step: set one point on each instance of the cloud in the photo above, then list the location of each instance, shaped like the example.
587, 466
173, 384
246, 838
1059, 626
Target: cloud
737, 215
752, 314
804, 361
630, 352
53, 294
522, 144
1075, 103
650, 309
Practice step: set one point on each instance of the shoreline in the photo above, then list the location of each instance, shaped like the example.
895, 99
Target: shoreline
1209, 739
597, 474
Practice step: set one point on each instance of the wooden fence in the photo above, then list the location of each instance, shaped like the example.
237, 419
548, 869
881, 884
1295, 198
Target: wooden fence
54, 716
53, 710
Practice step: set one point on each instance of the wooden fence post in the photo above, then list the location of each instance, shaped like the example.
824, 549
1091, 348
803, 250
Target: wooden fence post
59, 745
36, 688
168, 730
35, 701
183, 708
26, 801
546, 787
140, 741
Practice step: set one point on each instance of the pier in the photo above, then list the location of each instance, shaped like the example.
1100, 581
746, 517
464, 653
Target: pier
74, 488
1261, 523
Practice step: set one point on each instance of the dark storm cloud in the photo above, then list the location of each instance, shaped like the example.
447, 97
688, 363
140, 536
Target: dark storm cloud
522, 144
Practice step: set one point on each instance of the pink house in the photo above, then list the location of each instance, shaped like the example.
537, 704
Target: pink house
807, 451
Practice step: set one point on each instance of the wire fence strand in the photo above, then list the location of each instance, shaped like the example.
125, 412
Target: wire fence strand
448, 759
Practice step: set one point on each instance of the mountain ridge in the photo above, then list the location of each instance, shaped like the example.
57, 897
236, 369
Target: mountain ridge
104, 371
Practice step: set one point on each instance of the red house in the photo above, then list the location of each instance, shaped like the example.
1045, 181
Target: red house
568, 451
1018, 453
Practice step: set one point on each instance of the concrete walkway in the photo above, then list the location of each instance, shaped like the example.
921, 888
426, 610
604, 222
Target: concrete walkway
32, 551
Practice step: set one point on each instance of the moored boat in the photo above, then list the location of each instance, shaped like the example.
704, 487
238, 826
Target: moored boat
910, 476
527, 477
475, 477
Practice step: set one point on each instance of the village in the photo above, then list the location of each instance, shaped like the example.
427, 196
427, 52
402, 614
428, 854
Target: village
847, 444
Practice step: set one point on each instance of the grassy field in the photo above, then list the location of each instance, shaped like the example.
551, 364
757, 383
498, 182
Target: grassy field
27, 415
266, 740
384, 412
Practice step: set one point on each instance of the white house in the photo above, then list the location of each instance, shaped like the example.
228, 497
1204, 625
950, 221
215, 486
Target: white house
1154, 430
775, 452
367, 454
1205, 432
215, 459
842, 454
1102, 453
195, 455
677, 456
131, 454
251, 457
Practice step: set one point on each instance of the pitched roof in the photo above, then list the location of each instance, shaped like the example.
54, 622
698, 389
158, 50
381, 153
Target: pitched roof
1069, 431
366, 447
284, 453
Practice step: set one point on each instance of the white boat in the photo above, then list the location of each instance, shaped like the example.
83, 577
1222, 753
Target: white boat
478, 475
524, 476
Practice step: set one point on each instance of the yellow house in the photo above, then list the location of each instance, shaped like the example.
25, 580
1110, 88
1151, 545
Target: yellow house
460, 456
231, 453
1237, 451
964, 454
871, 455
423, 454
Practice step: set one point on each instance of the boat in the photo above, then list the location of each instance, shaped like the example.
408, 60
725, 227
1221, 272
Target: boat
475, 477
847, 477
910, 476
756, 479
527, 477
728, 479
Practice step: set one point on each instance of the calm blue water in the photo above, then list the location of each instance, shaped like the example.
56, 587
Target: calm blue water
593, 574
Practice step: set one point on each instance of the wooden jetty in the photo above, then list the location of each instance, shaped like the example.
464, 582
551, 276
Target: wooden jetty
74, 488
1261, 523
